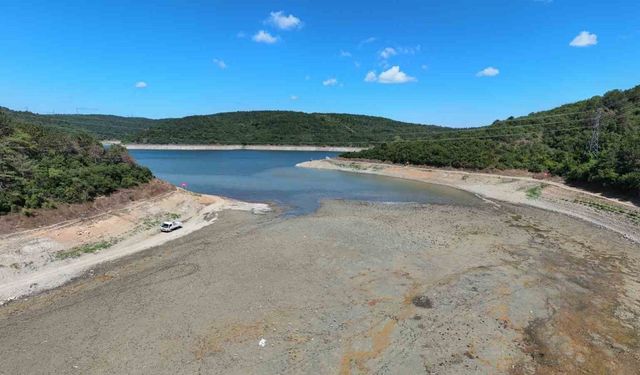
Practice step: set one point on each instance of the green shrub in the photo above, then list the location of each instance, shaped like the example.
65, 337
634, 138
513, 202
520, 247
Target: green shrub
42, 166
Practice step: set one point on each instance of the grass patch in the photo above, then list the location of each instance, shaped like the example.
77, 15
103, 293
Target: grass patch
535, 192
631, 215
149, 223
83, 249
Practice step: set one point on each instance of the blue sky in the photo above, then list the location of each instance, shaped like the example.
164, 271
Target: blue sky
456, 62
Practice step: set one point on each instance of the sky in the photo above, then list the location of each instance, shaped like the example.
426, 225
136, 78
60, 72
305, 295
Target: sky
456, 62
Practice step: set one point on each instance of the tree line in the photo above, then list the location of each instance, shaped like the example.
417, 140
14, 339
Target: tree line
44, 166
555, 141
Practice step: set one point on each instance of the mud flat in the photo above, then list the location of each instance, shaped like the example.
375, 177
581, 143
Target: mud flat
619, 216
38, 259
355, 288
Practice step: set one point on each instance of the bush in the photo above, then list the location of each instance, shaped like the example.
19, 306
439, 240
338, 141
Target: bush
541, 147
41, 167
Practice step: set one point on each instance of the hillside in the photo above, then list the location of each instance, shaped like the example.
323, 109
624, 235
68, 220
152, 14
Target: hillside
558, 141
279, 127
103, 127
255, 127
43, 166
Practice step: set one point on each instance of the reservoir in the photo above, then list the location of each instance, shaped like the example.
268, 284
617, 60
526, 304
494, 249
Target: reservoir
271, 176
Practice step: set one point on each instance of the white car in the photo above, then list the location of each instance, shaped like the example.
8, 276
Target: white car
169, 226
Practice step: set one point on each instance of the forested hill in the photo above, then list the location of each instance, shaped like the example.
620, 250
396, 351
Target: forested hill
103, 127
43, 166
255, 127
560, 141
280, 127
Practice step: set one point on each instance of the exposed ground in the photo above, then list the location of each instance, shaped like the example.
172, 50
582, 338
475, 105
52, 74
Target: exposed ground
617, 215
355, 288
45, 256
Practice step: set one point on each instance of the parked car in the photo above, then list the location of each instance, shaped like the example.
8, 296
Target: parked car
169, 226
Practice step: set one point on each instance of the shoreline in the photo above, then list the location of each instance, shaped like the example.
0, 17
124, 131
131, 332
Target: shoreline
620, 217
137, 146
39, 259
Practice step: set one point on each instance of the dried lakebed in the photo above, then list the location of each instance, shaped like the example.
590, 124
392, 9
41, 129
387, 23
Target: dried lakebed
353, 288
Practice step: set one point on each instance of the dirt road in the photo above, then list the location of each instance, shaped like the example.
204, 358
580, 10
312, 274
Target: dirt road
355, 288
42, 258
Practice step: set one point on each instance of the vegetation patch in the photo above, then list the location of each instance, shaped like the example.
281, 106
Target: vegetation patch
41, 166
535, 192
173, 216
554, 141
609, 208
150, 222
247, 128
83, 249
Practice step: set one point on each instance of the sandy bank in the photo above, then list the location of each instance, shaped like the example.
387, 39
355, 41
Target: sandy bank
133, 146
621, 217
38, 259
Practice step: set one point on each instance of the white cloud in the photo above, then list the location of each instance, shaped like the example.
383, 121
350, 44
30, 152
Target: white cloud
367, 41
141, 84
294, 97
345, 54
264, 37
488, 72
584, 39
391, 51
330, 82
391, 76
388, 52
220, 63
279, 20
409, 50
394, 75
371, 77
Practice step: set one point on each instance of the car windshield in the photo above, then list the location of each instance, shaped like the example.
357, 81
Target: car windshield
166, 225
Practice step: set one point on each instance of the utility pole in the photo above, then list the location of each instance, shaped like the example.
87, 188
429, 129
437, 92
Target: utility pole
594, 142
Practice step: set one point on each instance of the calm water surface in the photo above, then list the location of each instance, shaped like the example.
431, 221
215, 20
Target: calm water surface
271, 176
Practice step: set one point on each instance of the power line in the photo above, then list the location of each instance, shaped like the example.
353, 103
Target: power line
545, 116
488, 136
493, 127
489, 130
441, 139
594, 142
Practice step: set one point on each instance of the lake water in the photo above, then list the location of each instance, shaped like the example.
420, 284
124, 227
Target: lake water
271, 176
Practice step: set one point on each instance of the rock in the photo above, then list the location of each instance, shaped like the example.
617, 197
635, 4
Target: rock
422, 301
